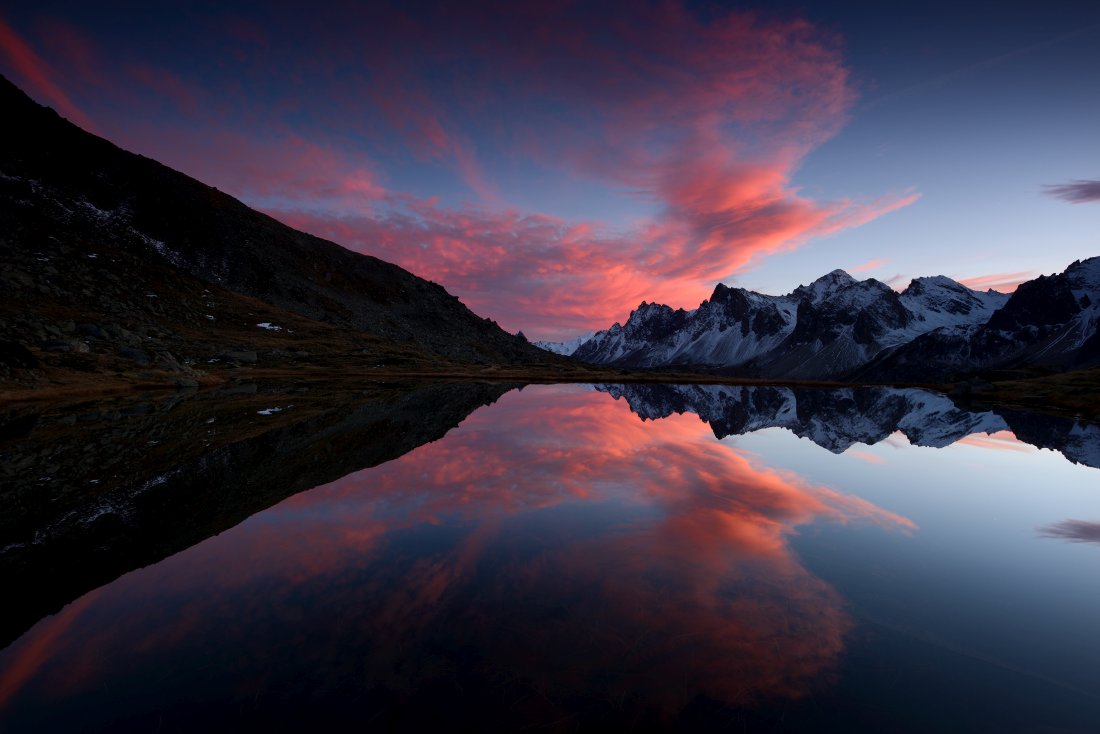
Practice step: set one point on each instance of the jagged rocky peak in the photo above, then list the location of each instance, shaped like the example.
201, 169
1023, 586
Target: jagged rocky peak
733, 303
649, 311
825, 286
1084, 278
1045, 301
723, 292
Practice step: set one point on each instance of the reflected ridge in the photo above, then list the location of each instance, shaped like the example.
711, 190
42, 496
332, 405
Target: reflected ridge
836, 419
90, 491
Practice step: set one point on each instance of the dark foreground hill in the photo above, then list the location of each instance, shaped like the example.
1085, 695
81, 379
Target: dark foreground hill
118, 262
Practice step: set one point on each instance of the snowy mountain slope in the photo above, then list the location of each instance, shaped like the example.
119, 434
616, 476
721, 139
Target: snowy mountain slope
825, 329
1052, 321
565, 348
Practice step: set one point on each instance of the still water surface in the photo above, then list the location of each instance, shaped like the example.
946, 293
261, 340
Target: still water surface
639, 557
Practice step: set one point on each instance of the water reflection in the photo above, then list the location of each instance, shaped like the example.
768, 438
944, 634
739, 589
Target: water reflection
552, 562
90, 491
555, 546
837, 419
1075, 531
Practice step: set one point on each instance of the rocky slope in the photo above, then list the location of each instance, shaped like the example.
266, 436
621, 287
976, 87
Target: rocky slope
1051, 322
110, 254
823, 330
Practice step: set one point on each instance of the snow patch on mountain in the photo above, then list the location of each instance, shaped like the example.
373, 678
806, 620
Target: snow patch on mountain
825, 287
565, 348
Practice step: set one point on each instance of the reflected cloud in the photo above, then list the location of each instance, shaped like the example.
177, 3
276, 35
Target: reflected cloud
866, 456
552, 540
999, 441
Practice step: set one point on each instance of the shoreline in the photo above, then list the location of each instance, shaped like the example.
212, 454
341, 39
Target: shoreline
1073, 394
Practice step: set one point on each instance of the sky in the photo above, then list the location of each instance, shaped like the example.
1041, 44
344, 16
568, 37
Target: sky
555, 164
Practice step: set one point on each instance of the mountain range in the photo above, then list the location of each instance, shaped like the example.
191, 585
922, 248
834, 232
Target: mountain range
840, 328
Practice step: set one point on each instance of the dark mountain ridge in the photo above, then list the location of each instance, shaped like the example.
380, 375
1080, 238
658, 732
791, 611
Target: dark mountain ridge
92, 233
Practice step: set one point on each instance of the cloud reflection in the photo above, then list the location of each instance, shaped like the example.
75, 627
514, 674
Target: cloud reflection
553, 541
1075, 531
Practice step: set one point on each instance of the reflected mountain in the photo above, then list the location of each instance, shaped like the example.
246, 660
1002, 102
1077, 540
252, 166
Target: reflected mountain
88, 492
836, 419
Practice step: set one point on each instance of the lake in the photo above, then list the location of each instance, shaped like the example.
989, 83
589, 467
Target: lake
477, 557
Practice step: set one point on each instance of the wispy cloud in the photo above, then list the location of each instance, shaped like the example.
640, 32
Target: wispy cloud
1081, 191
38, 75
1003, 282
1075, 531
875, 264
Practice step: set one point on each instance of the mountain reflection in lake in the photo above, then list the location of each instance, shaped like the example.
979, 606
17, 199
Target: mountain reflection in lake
555, 562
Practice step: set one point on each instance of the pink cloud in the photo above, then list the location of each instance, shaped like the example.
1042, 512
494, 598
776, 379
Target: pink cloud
702, 122
875, 264
714, 521
1003, 282
39, 76
554, 277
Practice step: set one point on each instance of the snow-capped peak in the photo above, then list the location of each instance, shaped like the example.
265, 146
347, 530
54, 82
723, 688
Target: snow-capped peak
565, 347
825, 286
947, 302
1084, 278
934, 281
